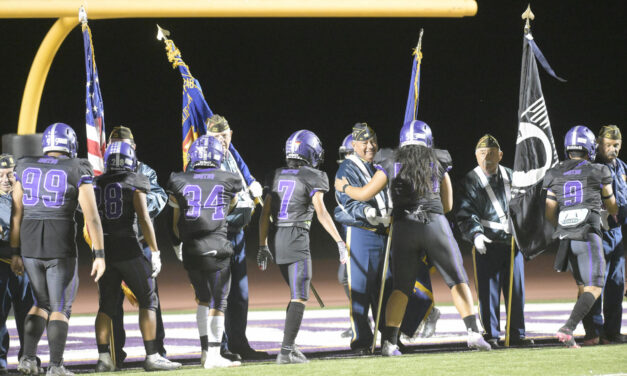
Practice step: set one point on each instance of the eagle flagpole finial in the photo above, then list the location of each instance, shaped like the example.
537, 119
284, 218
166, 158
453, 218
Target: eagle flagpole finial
162, 34
82, 15
528, 15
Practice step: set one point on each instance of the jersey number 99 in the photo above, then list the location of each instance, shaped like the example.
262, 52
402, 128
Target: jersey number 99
52, 190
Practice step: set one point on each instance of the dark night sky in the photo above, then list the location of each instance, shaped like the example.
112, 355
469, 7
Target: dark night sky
270, 77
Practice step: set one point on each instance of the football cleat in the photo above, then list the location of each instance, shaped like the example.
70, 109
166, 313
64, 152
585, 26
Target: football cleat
156, 362
389, 349
476, 341
565, 336
28, 366
58, 371
294, 357
429, 328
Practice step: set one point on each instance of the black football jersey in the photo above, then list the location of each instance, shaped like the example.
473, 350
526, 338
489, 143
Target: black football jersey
405, 197
114, 195
292, 190
50, 185
203, 197
577, 184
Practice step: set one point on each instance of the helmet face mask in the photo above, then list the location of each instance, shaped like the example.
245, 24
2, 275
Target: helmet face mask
60, 137
304, 145
206, 152
416, 132
580, 138
120, 156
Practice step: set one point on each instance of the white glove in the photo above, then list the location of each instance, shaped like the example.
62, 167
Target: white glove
604, 216
156, 263
385, 221
343, 251
255, 189
371, 215
480, 241
178, 251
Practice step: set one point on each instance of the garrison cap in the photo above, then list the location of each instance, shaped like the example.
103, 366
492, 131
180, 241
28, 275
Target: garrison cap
610, 131
7, 161
488, 141
362, 132
217, 124
121, 133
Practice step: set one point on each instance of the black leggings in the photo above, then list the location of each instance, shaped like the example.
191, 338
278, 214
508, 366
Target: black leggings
54, 283
411, 240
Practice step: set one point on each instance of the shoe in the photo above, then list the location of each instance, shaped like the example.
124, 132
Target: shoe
521, 341
430, 322
58, 371
476, 341
591, 341
614, 338
156, 362
105, 364
494, 343
294, 357
565, 336
348, 333
362, 351
212, 358
28, 366
251, 354
389, 349
232, 356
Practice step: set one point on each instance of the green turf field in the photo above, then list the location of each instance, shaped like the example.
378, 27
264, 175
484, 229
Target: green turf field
543, 361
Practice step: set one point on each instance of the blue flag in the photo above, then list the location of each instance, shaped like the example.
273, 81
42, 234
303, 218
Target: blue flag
94, 111
196, 111
411, 109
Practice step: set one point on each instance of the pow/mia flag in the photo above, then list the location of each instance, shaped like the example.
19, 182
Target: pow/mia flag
535, 154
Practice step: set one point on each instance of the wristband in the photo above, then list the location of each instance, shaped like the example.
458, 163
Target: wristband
98, 253
607, 197
15, 251
344, 187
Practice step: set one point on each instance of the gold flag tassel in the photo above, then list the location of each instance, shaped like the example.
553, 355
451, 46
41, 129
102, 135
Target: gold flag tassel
418, 56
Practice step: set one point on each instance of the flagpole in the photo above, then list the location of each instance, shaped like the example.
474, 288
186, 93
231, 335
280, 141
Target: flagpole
527, 16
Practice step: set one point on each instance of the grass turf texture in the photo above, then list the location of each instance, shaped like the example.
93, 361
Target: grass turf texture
542, 361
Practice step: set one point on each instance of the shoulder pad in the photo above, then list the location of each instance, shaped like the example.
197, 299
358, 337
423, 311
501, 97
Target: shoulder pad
444, 157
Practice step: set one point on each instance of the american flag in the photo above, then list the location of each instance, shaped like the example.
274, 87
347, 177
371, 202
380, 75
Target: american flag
94, 114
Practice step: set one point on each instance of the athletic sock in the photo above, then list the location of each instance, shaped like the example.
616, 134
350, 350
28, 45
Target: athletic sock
150, 346
582, 307
216, 330
202, 319
104, 349
292, 324
390, 334
471, 323
57, 336
34, 327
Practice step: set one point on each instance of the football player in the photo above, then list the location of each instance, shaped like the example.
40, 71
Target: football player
45, 197
202, 197
296, 191
576, 190
421, 193
121, 197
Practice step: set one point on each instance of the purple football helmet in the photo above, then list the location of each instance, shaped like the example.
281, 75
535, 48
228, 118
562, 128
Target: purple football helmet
306, 146
416, 132
346, 148
580, 137
60, 137
206, 151
120, 156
